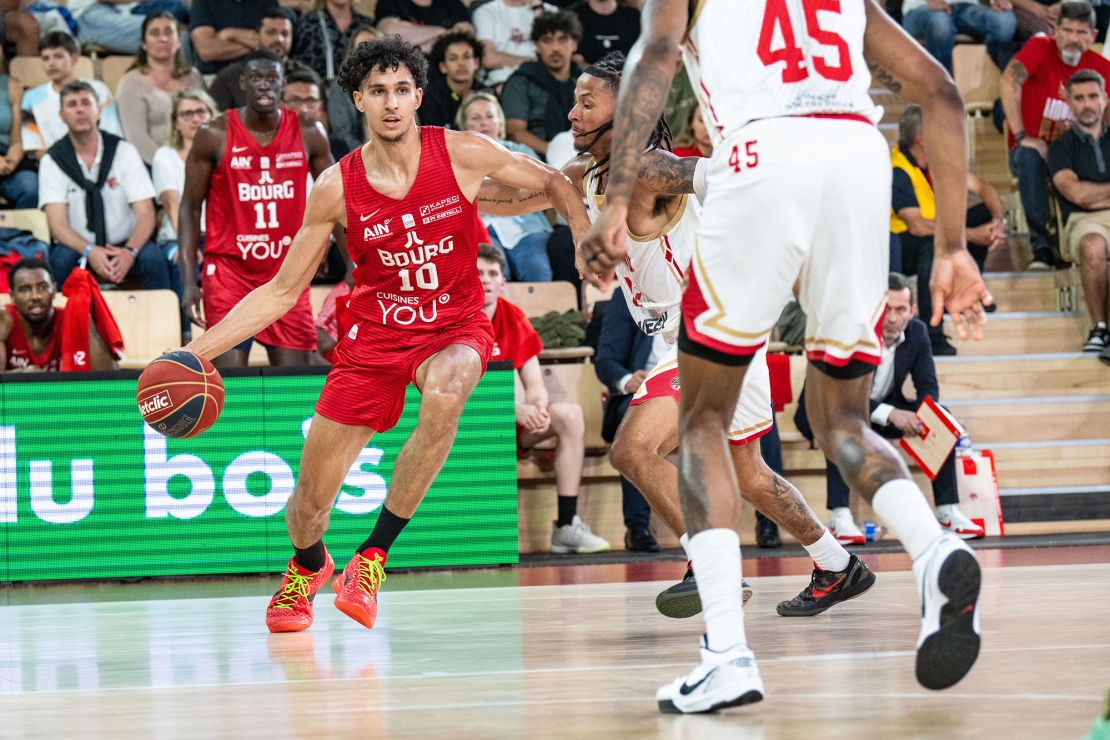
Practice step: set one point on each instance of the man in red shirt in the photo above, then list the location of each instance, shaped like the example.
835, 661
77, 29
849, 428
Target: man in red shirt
31, 325
537, 419
406, 198
250, 166
1037, 112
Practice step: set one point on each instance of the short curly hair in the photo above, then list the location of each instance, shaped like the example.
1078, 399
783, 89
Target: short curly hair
385, 54
560, 20
439, 51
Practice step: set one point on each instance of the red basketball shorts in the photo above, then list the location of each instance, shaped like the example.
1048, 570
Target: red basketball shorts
374, 366
223, 284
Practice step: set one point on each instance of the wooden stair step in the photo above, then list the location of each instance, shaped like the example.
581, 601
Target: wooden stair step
1022, 375
1022, 291
1033, 332
1049, 465
1034, 419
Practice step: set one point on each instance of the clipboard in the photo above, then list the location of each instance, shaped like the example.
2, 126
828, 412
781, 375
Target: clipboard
938, 437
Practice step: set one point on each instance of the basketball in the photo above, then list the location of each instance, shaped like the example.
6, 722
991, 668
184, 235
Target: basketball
180, 394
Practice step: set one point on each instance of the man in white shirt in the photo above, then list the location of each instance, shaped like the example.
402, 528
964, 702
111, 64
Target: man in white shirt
105, 218
60, 53
505, 27
907, 351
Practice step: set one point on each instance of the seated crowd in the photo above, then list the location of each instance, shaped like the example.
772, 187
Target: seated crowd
107, 167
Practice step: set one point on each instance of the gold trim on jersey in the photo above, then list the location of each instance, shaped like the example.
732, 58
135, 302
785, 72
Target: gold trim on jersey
714, 322
694, 18
742, 432
678, 214
824, 342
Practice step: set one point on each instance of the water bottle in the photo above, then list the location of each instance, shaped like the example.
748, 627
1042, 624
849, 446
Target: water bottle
869, 531
963, 445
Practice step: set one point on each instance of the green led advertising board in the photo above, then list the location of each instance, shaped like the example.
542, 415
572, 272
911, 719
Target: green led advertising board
87, 490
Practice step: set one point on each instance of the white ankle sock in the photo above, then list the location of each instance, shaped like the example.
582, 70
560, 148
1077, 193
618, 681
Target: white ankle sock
684, 540
902, 507
827, 553
715, 555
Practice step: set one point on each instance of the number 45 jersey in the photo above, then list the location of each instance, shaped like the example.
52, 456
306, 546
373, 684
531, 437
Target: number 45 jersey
755, 59
257, 197
415, 257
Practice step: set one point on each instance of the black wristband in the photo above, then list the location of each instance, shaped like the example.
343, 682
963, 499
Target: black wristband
1019, 136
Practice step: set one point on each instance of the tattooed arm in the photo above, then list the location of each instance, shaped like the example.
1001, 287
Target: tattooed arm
647, 81
498, 199
900, 62
1013, 78
662, 173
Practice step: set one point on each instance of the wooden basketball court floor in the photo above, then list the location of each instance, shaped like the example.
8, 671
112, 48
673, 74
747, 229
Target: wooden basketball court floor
572, 652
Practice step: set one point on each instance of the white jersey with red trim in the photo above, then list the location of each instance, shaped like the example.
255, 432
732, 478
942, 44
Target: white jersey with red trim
772, 58
652, 276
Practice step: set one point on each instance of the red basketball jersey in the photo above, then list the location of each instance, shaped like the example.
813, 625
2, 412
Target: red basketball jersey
415, 258
257, 197
20, 354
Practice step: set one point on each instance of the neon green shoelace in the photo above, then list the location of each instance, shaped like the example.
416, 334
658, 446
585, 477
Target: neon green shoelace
297, 586
371, 574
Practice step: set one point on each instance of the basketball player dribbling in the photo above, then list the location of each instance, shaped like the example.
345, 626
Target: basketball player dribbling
250, 167
406, 198
798, 187
662, 226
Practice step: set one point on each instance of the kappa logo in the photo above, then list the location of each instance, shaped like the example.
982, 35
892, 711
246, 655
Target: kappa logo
157, 402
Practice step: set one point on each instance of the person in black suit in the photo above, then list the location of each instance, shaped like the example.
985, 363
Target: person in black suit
907, 351
624, 355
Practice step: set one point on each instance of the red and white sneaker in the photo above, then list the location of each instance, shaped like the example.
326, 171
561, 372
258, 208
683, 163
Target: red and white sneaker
290, 610
955, 521
844, 529
356, 588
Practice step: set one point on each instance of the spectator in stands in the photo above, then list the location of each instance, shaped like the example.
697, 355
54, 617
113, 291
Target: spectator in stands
98, 199
523, 239
458, 57
938, 22
160, 70
189, 110
18, 181
19, 28
537, 98
421, 22
906, 352
607, 26
694, 139
348, 125
275, 33
116, 25
624, 355
1078, 163
1036, 114
913, 216
60, 53
538, 420
224, 32
505, 28
323, 31
31, 334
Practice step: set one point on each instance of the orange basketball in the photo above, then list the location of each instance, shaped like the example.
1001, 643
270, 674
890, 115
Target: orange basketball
180, 394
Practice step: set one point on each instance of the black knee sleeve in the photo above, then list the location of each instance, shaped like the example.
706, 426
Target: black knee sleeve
854, 369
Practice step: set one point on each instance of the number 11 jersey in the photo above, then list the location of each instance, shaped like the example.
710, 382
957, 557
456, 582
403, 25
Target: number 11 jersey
755, 59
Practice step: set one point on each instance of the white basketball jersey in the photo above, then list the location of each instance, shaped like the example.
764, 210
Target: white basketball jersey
753, 59
652, 276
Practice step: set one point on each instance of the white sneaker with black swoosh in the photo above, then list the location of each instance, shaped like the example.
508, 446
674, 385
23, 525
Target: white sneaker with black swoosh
722, 680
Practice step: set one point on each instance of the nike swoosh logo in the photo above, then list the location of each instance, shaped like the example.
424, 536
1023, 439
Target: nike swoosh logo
368, 216
820, 593
237, 149
686, 688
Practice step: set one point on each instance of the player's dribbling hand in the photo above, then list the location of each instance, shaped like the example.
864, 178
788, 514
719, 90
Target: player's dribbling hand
605, 245
958, 288
192, 306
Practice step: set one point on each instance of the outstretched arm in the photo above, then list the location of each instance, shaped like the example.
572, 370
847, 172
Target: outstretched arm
265, 304
907, 69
